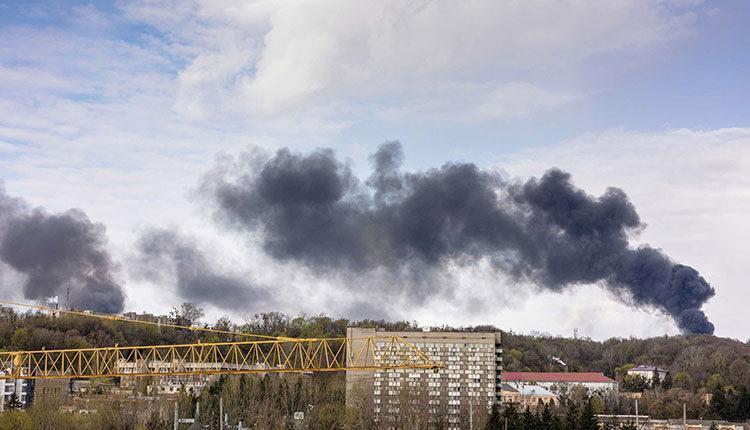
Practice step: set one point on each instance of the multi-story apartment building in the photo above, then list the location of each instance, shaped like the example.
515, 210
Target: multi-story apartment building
473, 362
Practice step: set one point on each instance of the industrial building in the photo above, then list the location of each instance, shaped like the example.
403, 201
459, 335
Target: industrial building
473, 362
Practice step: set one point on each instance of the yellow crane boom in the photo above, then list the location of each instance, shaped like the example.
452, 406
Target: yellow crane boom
272, 354
276, 356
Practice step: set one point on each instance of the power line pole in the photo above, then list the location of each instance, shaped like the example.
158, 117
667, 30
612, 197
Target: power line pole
471, 415
637, 426
684, 416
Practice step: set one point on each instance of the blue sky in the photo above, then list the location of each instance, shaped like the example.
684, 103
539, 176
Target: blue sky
119, 108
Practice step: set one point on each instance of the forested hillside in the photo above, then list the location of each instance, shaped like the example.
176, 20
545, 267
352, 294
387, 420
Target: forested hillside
699, 357
701, 367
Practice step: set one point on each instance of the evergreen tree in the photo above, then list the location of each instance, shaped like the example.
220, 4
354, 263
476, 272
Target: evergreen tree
495, 421
13, 402
548, 420
529, 420
572, 419
245, 391
588, 417
556, 423
510, 415
742, 405
656, 381
718, 405
666, 384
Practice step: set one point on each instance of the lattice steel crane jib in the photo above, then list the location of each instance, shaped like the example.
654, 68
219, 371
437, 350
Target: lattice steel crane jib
269, 355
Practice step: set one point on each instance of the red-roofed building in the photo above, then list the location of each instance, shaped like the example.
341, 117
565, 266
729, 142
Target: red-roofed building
555, 381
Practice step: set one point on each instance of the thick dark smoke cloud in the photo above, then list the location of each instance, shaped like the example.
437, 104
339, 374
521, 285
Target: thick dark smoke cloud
312, 209
164, 256
55, 252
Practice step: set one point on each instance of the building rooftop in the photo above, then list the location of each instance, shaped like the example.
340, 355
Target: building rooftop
528, 390
555, 377
646, 368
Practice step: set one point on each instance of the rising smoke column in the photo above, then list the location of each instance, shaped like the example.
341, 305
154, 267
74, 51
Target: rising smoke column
312, 209
584, 240
55, 252
165, 256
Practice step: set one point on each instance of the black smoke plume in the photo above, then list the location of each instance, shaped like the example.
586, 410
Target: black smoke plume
55, 252
312, 209
165, 256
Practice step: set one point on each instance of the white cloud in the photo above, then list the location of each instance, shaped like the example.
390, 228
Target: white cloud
126, 130
319, 48
270, 58
515, 100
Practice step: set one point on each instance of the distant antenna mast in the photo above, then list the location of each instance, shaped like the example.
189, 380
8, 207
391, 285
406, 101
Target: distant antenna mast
575, 333
67, 298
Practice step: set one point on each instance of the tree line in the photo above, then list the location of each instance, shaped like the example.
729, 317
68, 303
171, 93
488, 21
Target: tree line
711, 375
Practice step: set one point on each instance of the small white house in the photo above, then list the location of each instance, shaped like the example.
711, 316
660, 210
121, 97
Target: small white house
648, 372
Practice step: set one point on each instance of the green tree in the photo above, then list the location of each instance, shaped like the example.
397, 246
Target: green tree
718, 406
683, 380
510, 415
588, 417
656, 381
716, 381
742, 405
667, 383
495, 421
529, 420
572, 418
547, 420
21, 339
13, 402
15, 420
636, 383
